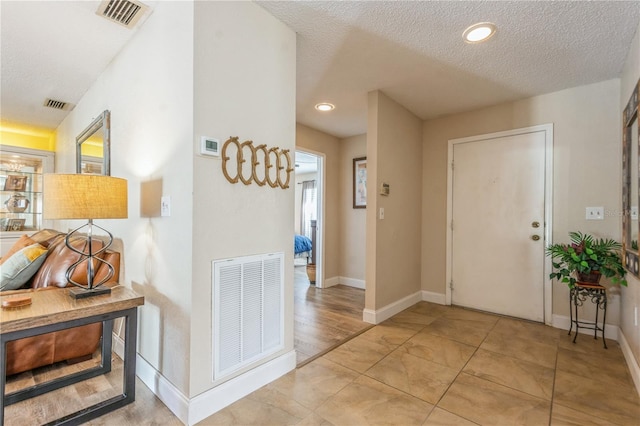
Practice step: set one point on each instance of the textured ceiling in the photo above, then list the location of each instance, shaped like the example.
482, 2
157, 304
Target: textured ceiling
413, 51
52, 49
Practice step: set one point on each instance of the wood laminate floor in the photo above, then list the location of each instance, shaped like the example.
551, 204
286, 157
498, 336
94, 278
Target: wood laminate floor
146, 410
324, 318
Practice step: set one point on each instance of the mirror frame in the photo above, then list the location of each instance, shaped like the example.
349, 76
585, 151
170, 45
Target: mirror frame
629, 117
103, 121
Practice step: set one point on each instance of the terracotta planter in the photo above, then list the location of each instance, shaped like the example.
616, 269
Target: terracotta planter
311, 273
591, 278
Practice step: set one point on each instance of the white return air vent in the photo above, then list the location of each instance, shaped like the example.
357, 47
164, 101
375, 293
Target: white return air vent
124, 12
248, 321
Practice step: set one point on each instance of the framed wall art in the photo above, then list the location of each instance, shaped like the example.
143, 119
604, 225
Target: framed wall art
15, 224
15, 183
360, 183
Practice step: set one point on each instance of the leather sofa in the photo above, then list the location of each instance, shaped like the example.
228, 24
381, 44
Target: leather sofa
76, 344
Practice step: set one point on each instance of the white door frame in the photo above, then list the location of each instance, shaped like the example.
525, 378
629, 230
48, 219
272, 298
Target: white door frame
548, 205
320, 197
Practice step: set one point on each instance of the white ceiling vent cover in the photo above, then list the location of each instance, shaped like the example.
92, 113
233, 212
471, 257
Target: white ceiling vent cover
124, 12
59, 105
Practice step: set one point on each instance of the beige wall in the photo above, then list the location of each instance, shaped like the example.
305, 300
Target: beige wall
394, 152
353, 222
243, 86
156, 125
586, 142
317, 142
151, 103
630, 295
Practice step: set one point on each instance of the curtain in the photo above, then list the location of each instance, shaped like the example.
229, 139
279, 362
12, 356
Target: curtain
309, 207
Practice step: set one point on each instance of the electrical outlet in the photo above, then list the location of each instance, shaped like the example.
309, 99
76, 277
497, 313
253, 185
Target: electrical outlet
595, 213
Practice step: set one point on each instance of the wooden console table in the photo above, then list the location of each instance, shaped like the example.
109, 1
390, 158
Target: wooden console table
53, 310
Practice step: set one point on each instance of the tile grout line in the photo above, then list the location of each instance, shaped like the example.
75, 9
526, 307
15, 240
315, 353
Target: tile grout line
460, 372
393, 387
334, 346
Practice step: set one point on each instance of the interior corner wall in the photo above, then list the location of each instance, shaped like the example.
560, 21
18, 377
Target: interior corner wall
319, 142
353, 222
148, 88
587, 136
244, 86
630, 298
394, 156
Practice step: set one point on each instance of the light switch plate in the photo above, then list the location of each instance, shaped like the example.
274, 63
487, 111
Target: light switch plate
165, 206
595, 213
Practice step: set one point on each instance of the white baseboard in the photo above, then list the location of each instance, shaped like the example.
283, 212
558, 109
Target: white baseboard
353, 282
170, 396
634, 369
191, 411
564, 322
376, 317
330, 282
213, 400
429, 296
117, 346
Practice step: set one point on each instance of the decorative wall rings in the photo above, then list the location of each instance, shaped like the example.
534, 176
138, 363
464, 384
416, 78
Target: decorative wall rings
265, 158
241, 161
254, 156
230, 141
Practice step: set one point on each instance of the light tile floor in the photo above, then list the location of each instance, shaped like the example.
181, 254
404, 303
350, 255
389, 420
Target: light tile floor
437, 365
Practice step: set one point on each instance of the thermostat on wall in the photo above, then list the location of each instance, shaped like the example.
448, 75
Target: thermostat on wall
209, 146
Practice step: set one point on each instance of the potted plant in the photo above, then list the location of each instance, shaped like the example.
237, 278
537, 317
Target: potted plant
586, 260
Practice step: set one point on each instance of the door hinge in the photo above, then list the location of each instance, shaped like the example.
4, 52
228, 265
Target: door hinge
452, 165
451, 225
451, 285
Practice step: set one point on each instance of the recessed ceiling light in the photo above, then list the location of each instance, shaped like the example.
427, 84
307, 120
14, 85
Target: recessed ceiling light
324, 106
479, 32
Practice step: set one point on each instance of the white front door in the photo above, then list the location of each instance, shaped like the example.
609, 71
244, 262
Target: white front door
498, 223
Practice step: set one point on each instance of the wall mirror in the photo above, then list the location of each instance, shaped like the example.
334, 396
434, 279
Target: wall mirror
630, 195
93, 147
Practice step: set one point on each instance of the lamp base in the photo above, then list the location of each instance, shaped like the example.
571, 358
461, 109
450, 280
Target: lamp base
82, 293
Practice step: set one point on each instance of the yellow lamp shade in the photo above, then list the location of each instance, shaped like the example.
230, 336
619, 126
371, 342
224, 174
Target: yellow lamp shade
78, 196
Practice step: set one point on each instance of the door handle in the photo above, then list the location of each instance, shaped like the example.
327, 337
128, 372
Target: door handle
535, 237
535, 225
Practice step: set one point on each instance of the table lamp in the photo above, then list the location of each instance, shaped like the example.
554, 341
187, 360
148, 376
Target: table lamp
79, 196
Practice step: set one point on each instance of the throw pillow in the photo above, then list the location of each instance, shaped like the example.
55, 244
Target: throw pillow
20, 244
20, 267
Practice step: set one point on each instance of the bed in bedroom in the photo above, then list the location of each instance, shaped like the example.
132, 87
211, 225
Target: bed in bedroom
302, 247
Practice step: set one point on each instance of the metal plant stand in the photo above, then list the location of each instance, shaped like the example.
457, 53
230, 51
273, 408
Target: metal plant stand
577, 296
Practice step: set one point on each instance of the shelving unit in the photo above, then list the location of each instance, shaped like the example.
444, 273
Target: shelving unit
21, 172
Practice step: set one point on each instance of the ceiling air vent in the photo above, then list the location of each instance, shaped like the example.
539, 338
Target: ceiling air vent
63, 106
124, 12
